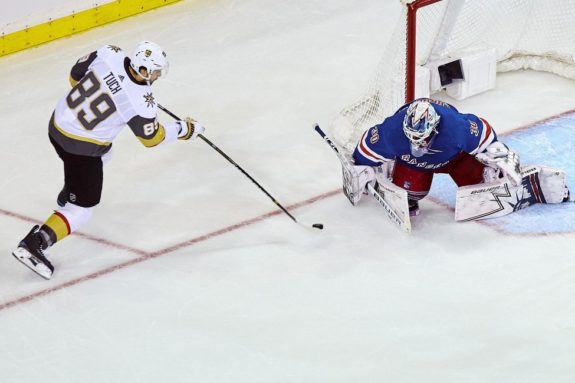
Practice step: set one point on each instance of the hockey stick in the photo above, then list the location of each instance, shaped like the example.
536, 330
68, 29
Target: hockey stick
387, 195
315, 225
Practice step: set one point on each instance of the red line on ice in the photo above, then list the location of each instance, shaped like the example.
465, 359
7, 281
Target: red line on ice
142, 254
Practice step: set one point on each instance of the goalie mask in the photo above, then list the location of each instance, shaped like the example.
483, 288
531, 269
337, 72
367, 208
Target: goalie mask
420, 126
150, 56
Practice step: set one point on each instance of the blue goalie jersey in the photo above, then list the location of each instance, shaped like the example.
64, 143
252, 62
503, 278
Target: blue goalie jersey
456, 133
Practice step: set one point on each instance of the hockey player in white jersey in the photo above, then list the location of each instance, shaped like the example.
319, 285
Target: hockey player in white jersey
109, 91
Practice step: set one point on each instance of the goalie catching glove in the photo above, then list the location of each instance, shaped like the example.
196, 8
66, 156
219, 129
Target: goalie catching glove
189, 129
498, 157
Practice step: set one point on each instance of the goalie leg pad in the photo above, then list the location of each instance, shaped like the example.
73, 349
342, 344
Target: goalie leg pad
539, 185
551, 184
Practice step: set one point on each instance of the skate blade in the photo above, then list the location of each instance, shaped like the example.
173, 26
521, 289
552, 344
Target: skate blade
24, 256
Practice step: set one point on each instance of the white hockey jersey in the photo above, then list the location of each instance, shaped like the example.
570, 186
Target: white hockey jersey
105, 98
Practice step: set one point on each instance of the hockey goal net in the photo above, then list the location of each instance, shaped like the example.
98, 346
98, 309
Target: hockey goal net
521, 34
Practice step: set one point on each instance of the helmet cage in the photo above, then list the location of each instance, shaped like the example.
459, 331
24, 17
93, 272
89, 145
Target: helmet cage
420, 124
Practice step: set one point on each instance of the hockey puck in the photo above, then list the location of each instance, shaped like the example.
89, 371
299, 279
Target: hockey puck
318, 226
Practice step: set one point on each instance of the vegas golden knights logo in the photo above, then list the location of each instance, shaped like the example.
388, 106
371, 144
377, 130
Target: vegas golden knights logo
148, 53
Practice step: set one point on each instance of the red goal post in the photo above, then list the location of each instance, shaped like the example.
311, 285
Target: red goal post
458, 46
412, 6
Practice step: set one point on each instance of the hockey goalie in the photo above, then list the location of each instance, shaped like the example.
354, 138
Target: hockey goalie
427, 136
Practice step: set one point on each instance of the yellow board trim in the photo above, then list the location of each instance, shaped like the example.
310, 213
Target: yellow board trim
75, 23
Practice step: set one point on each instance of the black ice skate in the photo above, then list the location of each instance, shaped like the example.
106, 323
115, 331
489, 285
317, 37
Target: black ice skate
30, 252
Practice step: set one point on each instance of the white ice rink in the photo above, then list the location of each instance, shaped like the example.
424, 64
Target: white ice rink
189, 273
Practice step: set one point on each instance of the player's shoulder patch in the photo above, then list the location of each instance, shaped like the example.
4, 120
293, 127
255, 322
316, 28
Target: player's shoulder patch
373, 135
144, 103
110, 52
114, 48
149, 100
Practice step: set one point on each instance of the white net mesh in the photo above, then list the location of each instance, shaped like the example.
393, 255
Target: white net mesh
527, 34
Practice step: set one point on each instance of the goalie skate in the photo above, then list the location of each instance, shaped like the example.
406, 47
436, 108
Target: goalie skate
30, 252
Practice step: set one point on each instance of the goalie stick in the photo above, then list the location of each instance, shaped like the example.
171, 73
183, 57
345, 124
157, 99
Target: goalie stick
390, 197
221, 152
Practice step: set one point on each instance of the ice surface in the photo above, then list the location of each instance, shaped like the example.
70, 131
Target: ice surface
187, 272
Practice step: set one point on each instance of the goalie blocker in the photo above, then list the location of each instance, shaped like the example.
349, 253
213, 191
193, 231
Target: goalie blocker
359, 180
539, 184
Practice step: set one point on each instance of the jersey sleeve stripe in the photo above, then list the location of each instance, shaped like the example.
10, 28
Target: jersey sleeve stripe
156, 139
365, 151
487, 137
